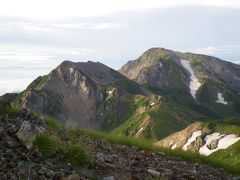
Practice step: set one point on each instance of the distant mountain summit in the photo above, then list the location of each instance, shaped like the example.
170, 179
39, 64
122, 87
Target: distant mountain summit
161, 92
80, 94
191, 79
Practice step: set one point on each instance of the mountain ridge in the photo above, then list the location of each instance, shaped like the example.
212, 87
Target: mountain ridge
156, 90
164, 71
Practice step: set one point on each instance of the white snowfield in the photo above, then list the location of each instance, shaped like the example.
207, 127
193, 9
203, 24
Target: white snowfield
174, 146
208, 139
221, 99
194, 84
171, 143
71, 71
224, 141
109, 92
140, 131
190, 140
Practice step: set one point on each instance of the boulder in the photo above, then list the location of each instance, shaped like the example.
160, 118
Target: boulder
27, 133
213, 144
109, 178
153, 172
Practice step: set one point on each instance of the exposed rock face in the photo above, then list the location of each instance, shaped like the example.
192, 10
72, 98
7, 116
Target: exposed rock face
157, 67
196, 145
213, 144
77, 94
191, 79
199, 138
179, 139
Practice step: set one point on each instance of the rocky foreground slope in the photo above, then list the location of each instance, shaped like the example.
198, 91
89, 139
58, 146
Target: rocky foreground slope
109, 162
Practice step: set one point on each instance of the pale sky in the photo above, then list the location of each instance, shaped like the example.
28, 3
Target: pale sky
35, 36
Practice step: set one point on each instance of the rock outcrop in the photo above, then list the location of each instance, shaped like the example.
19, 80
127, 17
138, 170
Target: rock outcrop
27, 133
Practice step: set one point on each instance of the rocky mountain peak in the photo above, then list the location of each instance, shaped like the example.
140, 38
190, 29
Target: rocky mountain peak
77, 93
189, 76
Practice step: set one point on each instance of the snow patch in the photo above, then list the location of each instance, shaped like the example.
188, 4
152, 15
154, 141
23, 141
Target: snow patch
194, 83
208, 139
152, 104
174, 146
109, 92
221, 99
171, 143
223, 143
140, 131
160, 65
70, 70
227, 141
193, 138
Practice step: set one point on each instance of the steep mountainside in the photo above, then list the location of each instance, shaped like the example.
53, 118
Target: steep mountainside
92, 95
205, 84
81, 94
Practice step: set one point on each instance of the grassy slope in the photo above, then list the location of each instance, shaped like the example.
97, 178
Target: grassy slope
207, 95
162, 114
223, 128
230, 156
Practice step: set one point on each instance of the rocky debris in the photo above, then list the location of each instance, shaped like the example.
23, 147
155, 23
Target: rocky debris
153, 172
100, 158
19, 162
133, 163
109, 178
110, 161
